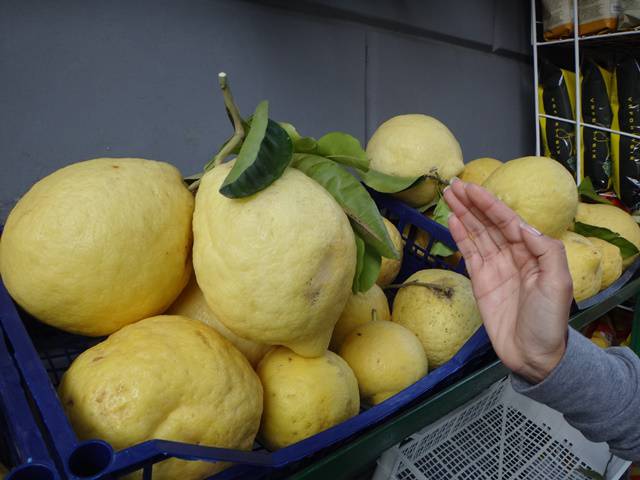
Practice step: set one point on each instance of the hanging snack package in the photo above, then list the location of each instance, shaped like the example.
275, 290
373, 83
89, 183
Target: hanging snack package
625, 101
628, 14
597, 16
557, 18
556, 94
596, 110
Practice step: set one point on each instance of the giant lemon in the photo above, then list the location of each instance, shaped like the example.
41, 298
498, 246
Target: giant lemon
585, 265
390, 267
166, 377
191, 303
539, 189
415, 145
611, 261
276, 267
478, 170
304, 396
385, 357
443, 315
99, 244
613, 218
359, 310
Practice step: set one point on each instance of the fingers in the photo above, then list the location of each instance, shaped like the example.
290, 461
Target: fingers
505, 219
476, 231
467, 247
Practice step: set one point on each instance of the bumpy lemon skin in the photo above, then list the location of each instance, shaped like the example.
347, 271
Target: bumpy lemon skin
385, 357
191, 303
414, 145
611, 261
443, 322
540, 190
99, 244
478, 170
585, 265
358, 311
390, 267
166, 377
304, 396
276, 267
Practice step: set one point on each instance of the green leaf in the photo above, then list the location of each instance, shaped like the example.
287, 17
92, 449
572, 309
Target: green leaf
352, 197
291, 131
300, 144
586, 190
343, 148
367, 268
627, 249
263, 157
381, 182
441, 216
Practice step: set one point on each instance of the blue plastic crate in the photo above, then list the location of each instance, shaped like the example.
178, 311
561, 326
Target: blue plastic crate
43, 354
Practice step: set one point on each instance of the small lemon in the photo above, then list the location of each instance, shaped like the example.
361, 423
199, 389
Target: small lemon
385, 357
191, 303
539, 189
359, 310
442, 316
166, 377
611, 261
389, 267
478, 170
304, 396
99, 244
585, 265
415, 145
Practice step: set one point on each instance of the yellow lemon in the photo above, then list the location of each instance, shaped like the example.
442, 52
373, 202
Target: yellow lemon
539, 189
304, 396
611, 261
276, 267
613, 218
385, 357
166, 377
443, 315
415, 145
359, 310
191, 303
390, 267
585, 265
99, 244
478, 170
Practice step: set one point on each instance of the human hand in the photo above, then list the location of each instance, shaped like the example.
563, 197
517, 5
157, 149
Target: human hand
520, 279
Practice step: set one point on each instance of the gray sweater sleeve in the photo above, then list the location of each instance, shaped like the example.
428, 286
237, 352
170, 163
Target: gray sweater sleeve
597, 391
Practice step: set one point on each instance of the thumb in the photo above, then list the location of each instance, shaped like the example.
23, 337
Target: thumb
550, 253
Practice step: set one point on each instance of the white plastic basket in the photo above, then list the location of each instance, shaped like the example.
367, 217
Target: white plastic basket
500, 435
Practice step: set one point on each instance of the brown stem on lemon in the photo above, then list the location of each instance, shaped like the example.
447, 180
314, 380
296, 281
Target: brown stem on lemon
234, 113
374, 314
446, 291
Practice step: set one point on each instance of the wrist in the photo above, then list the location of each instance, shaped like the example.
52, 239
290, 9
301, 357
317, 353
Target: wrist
535, 368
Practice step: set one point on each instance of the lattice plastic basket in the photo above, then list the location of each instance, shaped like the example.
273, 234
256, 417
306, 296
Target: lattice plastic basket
500, 435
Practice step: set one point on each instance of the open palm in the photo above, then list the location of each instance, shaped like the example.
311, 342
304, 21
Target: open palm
520, 279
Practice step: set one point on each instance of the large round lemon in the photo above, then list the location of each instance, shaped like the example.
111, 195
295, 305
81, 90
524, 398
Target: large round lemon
275, 267
613, 218
540, 190
611, 261
191, 303
443, 316
99, 244
585, 265
478, 170
359, 310
385, 357
304, 396
414, 145
166, 377
390, 267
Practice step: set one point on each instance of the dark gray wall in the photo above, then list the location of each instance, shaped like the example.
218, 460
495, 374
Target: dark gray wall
120, 78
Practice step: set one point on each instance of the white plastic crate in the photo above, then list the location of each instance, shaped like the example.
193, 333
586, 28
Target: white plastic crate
500, 435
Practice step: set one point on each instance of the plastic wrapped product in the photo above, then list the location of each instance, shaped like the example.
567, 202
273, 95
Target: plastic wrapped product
629, 14
557, 18
597, 16
626, 150
557, 98
596, 110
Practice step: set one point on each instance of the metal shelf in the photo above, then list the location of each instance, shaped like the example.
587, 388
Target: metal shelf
360, 454
605, 37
